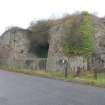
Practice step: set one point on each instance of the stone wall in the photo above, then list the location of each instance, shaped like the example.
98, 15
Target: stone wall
17, 40
71, 64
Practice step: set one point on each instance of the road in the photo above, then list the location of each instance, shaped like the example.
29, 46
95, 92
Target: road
19, 89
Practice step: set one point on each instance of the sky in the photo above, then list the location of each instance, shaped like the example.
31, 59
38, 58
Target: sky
21, 12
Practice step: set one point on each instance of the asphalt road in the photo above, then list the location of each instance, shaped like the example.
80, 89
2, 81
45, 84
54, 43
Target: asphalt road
19, 89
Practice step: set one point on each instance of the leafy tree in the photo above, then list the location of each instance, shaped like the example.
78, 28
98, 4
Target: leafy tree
39, 38
78, 39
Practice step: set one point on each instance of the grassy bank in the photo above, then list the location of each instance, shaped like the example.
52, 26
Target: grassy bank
84, 78
88, 78
41, 73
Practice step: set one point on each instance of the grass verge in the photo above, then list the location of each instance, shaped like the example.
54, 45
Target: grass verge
85, 78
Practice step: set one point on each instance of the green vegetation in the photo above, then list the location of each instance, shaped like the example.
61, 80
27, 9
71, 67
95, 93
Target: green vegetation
39, 38
54, 75
79, 38
88, 78
78, 30
85, 78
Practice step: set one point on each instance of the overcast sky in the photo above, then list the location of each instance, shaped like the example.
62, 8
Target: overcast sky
22, 12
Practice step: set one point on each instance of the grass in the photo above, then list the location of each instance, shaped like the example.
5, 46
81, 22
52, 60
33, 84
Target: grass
84, 78
88, 78
41, 73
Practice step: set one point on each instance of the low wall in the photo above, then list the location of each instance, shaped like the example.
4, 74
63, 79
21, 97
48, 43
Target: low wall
48, 64
62, 63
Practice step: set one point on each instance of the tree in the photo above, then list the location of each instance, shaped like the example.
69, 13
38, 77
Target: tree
39, 38
79, 39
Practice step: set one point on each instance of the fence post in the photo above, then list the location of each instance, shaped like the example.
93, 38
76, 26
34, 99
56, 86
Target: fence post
66, 68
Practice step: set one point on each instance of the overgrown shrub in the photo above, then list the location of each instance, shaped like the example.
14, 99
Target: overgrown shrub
39, 38
78, 37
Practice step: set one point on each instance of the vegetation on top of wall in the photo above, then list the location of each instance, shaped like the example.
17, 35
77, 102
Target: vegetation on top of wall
78, 38
39, 38
78, 29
